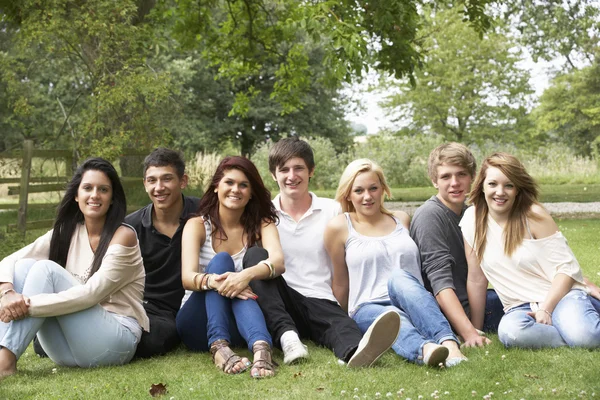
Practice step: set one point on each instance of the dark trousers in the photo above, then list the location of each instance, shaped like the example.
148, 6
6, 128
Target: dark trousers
320, 320
162, 337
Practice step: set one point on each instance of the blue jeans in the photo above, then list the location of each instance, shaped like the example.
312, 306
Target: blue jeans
87, 338
575, 323
494, 311
422, 321
207, 316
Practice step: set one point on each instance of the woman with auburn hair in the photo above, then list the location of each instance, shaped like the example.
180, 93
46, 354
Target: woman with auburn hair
80, 286
368, 245
231, 242
513, 242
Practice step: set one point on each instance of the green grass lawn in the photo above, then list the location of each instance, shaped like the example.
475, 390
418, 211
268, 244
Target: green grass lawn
549, 193
512, 374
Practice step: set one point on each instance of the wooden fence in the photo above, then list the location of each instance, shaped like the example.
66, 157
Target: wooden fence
28, 184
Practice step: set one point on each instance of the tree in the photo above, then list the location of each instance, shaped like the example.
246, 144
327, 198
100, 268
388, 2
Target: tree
569, 110
558, 28
240, 37
469, 88
83, 68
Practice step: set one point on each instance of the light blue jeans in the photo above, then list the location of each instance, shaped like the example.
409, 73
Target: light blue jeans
575, 323
422, 321
87, 338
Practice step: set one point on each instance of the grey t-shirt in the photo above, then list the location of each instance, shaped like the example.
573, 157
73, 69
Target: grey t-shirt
436, 232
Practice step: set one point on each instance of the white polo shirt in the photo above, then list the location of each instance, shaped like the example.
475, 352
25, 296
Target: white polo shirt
308, 268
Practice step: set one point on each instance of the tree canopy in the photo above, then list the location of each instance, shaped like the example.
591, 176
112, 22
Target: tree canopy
469, 89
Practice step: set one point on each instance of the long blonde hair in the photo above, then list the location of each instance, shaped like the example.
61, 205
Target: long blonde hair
347, 180
527, 196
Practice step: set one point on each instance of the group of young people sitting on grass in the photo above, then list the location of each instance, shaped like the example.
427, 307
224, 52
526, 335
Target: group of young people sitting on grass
236, 268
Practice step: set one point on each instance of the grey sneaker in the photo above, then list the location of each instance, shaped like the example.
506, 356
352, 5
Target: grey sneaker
380, 336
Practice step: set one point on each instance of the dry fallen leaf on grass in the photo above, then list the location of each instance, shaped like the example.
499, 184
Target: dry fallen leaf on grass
158, 390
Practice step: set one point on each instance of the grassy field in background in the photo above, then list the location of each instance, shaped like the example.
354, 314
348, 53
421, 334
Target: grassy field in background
512, 374
579, 193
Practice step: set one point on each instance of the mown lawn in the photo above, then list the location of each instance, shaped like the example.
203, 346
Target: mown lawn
579, 193
512, 374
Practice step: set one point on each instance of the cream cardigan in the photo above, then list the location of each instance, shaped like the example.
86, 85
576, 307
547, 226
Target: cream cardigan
118, 285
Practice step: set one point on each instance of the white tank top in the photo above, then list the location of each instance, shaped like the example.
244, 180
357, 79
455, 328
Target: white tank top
207, 253
371, 261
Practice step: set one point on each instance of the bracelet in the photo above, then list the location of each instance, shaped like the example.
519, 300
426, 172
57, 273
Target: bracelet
4, 292
208, 284
203, 282
198, 287
271, 269
546, 311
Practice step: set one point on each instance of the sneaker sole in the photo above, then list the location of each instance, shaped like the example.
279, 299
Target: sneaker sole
380, 336
437, 356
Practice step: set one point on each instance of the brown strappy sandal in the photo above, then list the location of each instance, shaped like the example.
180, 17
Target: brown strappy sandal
263, 359
230, 359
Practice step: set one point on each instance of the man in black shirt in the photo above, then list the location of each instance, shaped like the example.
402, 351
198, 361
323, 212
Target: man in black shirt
159, 226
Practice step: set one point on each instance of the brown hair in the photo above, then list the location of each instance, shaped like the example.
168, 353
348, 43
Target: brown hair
527, 196
451, 153
259, 209
288, 148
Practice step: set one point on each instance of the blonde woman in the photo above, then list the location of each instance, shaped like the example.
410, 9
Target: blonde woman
512, 242
367, 245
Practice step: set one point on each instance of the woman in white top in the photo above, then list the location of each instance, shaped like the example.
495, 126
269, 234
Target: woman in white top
513, 242
368, 245
83, 281
236, 216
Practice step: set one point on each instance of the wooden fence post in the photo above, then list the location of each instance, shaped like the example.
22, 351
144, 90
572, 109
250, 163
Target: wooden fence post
23, 193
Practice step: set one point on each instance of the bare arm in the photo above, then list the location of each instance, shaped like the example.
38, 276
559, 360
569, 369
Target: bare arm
334, 238
561, 284
192, 239
235, 284
404, 218
476, 287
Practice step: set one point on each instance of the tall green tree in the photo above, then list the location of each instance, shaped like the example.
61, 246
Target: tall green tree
79, 72
239, 37
469, 89
558, 28
569, 110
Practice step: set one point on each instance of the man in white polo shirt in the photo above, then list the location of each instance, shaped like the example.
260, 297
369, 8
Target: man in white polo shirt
301, 302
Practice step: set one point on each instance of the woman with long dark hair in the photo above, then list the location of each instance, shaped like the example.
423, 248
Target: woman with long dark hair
513, 242
80, 286
236, 221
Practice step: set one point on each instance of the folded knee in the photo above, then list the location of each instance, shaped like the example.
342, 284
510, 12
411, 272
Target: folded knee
221, 263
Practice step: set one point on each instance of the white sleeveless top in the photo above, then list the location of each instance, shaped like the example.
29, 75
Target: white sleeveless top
207, 253
371, 261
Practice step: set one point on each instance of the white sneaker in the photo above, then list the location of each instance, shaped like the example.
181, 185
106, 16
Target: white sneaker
293, 348
380, 336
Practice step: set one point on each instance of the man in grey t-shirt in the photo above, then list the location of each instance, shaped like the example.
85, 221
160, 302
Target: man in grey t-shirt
435, 229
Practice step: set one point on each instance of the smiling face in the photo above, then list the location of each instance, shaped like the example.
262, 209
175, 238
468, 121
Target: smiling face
164, 186
94, 195
293, 177
366, 194
234, 190
500, 193
453, 184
